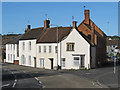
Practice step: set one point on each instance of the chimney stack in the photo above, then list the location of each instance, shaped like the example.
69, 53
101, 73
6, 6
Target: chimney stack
46, 23
28, 27
74, 24
87, 17
92, 33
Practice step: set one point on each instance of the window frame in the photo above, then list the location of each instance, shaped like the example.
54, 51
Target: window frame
23, 45
50, 49
30, 45
45, 49
70, 47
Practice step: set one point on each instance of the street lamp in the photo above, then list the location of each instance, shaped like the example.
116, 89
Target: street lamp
115, 53
57, 43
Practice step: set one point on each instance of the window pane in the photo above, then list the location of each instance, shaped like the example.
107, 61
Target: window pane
82, 61
63, 62
76, 61
29, 60
45, 49
39, 49
49, 49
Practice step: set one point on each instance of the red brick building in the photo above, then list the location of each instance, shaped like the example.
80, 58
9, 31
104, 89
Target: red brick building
96, 35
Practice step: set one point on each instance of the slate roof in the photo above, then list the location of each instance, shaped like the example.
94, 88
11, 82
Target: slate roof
15, 40
32, 34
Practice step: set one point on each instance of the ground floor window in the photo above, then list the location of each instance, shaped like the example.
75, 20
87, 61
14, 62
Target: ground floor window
11, 57
14, 57
82, 61
63, 62
8, 57
79, 61
41, 62
76, 61
29, 60
23, 59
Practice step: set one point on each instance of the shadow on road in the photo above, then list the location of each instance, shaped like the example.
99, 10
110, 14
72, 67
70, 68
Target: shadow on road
109, 64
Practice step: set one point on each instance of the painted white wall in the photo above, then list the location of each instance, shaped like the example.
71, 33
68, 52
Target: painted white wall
47, 55
11, 51
27, 52
82, 47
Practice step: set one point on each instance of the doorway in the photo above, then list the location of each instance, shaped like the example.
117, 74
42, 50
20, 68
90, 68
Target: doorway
51, 60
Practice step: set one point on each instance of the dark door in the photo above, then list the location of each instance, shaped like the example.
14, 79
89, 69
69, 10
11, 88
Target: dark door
51, 63
35, 62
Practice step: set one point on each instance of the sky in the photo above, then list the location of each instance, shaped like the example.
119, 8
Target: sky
17, 15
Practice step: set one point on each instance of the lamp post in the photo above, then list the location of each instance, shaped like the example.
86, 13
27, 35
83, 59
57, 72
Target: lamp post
57, 43
115, 53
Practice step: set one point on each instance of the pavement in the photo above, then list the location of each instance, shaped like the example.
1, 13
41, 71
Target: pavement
28, 77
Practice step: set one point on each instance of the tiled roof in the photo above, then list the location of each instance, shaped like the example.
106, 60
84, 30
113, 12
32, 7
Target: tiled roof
32, 34
113, 42
50, 36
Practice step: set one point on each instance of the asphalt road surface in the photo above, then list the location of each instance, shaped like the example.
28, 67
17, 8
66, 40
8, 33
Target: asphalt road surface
15, 76
18, 79
28, 77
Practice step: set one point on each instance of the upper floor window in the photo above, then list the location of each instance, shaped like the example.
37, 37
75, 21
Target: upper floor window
11, 47
39, 49
50, 49
56, 49
8, 47
70, 46
23, 45
44, 49
14, 47
29, 45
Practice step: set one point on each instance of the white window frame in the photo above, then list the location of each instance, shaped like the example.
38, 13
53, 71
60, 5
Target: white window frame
30, 45
8, 57
39, 49
63, 62
45, 49
50, 49
29, 60
41, 62
13, 47
23, 45
13, 56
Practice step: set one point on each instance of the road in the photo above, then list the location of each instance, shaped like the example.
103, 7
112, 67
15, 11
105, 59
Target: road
28, 77
12, 78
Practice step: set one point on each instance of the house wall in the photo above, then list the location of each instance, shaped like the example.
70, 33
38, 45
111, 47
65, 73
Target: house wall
82, 47
99, 41
11, 51
46, 56
27, 52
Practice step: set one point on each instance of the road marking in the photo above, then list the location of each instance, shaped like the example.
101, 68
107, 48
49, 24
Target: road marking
99, 84
36, 78
15, 79
5, 85
14, 85
87, 73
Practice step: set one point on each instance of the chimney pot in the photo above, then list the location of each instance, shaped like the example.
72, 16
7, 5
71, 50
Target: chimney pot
86, 12
74, 24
